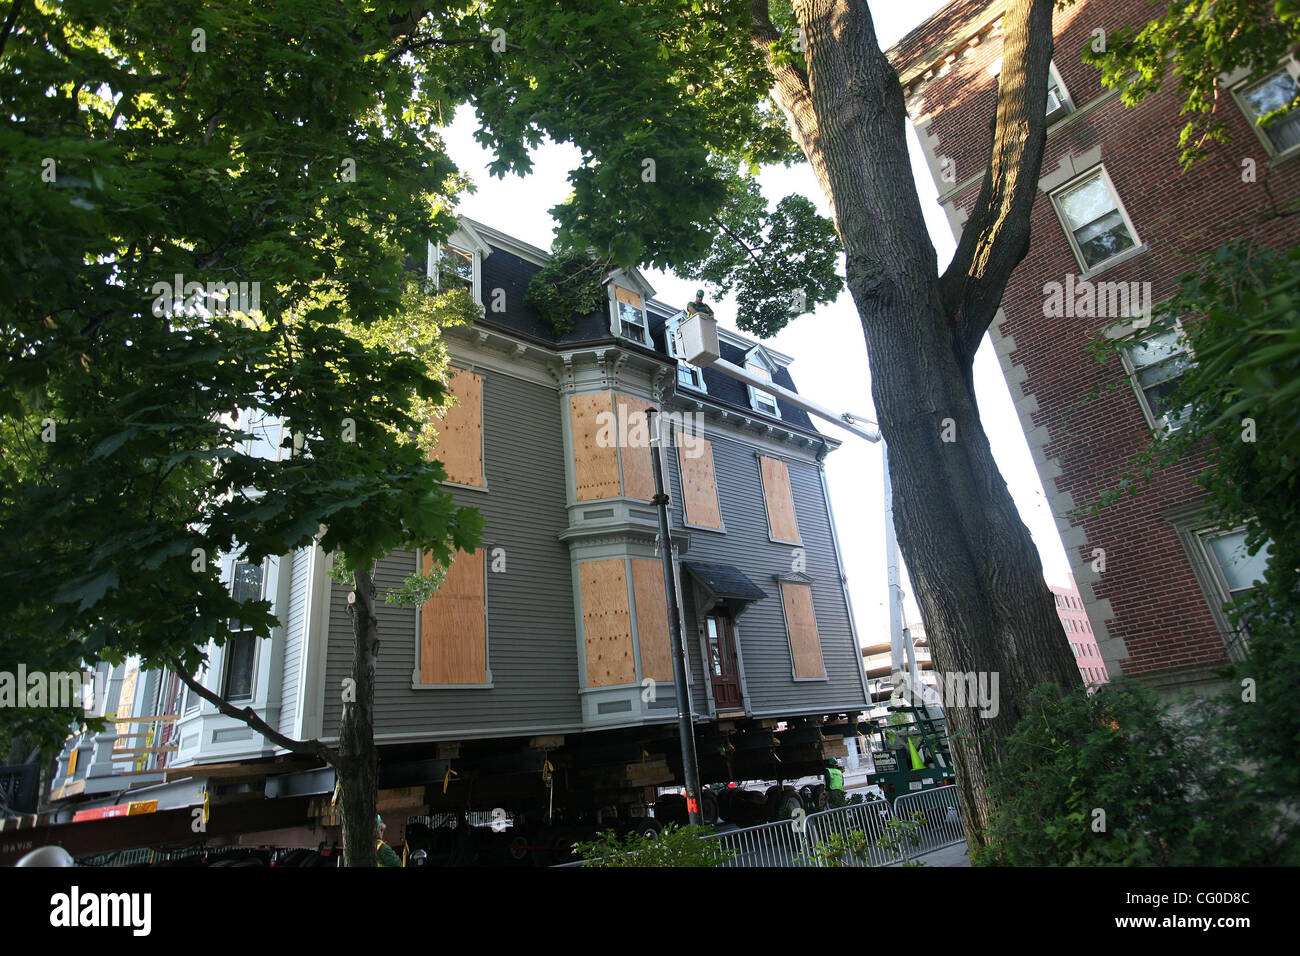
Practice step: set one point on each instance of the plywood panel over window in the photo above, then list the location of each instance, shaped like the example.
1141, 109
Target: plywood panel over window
634, 441
460, 429
699, 487
780, 500
453, 631
595, 451
652, 618
606, 623
801, 624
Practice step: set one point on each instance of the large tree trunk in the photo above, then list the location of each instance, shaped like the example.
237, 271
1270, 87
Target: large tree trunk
358, 757
986, 607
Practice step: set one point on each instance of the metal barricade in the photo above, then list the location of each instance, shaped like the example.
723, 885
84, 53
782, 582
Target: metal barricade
942, 826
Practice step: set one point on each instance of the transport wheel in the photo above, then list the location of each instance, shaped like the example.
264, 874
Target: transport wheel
709, 808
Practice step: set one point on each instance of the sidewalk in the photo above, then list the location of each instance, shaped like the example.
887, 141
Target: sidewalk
955, 855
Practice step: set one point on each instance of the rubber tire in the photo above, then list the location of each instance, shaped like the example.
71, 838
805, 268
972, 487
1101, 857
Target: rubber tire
709, 808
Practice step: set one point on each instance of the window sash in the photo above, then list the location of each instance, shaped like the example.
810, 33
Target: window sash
1092, 214
1267, 95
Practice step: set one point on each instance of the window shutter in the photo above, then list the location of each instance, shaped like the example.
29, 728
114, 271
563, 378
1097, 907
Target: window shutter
606, 623
595, 452
801, 624
460, 430
781, 520
453, 631
699, 486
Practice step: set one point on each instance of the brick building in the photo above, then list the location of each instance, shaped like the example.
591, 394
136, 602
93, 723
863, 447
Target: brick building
1116, 215
1083, 642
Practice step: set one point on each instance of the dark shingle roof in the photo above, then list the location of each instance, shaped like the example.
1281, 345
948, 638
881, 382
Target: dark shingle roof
725, 581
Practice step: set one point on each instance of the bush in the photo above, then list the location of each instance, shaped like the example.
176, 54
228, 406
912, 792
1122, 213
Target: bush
1120, 779
675, 846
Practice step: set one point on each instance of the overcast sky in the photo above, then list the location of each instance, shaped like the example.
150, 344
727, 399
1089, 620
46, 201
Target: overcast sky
830, 357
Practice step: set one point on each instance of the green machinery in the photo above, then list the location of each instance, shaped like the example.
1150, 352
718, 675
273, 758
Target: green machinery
909, 748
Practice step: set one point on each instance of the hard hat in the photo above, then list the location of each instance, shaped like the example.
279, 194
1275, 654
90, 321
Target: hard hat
47, 856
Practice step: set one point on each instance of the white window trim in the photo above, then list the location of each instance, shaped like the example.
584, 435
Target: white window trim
467, 239
1064, 220
758, 356
1161, 424
616, 320
670, 329
1067, 101
257, 649
1291, 66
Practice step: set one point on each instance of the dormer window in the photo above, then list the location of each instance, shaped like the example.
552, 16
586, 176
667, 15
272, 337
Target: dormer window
630, 316
757, 363
458, 261
688, 375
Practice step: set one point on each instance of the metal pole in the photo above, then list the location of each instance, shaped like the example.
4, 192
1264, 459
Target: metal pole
685, 726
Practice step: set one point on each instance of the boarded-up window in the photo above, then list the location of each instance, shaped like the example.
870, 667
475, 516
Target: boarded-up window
453, 631
801, 624
125, 707
634, 442
652, 619
781, 519
699, 488
460, 430
595, 446
606, 623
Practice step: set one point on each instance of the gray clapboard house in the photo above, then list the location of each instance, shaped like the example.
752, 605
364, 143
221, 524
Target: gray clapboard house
553, 635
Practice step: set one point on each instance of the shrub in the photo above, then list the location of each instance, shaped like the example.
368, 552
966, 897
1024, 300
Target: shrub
675, 846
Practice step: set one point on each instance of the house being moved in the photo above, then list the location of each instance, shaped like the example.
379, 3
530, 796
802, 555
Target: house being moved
538, 678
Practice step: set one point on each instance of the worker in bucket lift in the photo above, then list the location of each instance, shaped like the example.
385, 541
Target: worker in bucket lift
699, 307
385, 855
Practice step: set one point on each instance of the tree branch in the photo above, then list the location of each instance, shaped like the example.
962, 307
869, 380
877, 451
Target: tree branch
310, 748
996, 237
8, 27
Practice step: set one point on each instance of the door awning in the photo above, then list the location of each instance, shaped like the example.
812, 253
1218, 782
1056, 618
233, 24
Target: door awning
722, 582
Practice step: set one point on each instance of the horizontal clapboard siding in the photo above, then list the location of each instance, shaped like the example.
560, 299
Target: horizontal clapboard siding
761, 633
293, 641
532, 651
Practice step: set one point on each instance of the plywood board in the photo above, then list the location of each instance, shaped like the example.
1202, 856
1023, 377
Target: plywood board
634, 440
699, 488
595, 451
652, 619
125, 704
781, 518
453, 632
628, 296
801, 623
460, 429
606, 623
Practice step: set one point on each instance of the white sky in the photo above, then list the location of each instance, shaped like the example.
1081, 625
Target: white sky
830, 356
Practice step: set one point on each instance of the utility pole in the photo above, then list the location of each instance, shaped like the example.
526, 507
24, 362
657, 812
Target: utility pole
682, 690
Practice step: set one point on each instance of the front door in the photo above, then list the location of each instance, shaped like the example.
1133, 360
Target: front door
722, 662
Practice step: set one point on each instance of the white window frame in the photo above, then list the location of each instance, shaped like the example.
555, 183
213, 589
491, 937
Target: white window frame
757, 356
1162, 424
695, 372
1064, 220
1066, 103
616, 316
229, 644
1291, 66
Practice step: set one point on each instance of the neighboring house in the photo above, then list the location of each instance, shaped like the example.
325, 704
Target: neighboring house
557, 626
1115, 223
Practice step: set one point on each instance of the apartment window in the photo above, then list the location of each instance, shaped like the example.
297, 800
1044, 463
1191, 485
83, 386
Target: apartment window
453, 267
1272, 93
1154, 366
688, 375
1058, 100
1096, 223
629, 316
757, 364
241, 647
1237, 570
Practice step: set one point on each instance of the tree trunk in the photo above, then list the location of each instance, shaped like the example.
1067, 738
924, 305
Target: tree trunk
358, 757
986, 608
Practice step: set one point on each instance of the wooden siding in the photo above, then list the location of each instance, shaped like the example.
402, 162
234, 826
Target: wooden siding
453, 637
606, 623
699, 485
460, 430
781, 520
652, 619
801, 625
595, 457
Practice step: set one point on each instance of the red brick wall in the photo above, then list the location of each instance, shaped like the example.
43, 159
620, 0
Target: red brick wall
1158, 608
